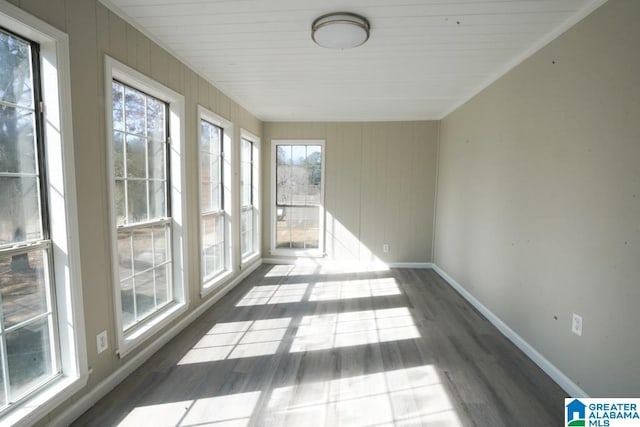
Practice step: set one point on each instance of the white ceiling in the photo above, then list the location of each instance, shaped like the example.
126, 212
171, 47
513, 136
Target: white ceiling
424, 57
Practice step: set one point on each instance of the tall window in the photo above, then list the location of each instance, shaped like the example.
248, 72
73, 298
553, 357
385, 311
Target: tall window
146, 165
212, 200
28, 330
143, 214
299, 210
248, 226
42, 350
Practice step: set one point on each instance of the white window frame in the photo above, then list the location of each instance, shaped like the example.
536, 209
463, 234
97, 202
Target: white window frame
60, 185
210, 284
256, 186
320, 251
127, 341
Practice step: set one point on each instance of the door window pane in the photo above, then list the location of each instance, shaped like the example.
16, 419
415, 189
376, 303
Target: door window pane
298, 196
298, 228
284, 180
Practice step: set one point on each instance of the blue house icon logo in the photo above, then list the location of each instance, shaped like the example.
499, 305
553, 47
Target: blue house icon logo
576, 414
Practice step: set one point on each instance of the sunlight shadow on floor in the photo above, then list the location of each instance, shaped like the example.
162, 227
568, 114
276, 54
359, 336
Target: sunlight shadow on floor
235, 340
349, 289
401, 397
305, 267
273, 294
334, 330
230, 410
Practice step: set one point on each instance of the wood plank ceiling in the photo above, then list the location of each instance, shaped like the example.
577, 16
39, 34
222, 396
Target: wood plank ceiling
424, 57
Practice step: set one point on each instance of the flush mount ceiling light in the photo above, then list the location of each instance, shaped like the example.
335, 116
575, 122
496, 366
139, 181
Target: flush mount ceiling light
340, 30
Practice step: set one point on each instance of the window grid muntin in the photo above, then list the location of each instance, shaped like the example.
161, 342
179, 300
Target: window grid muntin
167, 264
208, 212
305, 205
247, 225
144, 136
32, 245
149, 223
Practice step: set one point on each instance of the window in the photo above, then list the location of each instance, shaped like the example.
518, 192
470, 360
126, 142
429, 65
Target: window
27, 326
145, 135
143, 215
211, 199
42, 352
215, 197
298, 205
249, 175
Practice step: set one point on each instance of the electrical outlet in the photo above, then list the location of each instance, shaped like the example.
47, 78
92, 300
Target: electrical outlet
385, 248
102, 342
576, 324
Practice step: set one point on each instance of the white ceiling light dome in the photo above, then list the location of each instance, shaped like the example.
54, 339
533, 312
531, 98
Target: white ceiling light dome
340, 30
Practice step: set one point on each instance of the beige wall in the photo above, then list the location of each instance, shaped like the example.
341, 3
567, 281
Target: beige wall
93, 32
380, 184
538, 211
538, 196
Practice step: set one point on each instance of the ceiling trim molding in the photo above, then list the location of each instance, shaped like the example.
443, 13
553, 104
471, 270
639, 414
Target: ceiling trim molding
115, 9
538, 45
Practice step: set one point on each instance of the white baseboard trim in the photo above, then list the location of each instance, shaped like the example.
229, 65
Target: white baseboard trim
85, 402
330, 262
419, 265
556, 374
288, 260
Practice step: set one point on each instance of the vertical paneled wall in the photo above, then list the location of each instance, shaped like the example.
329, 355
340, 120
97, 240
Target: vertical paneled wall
94, 31
539, 199
379, 187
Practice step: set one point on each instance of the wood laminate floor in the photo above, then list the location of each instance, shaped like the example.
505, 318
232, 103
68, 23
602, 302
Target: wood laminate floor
325, 346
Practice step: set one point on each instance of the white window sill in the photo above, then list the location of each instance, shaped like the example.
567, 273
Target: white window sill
44, 402
215, 283
131, 340
250, 258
